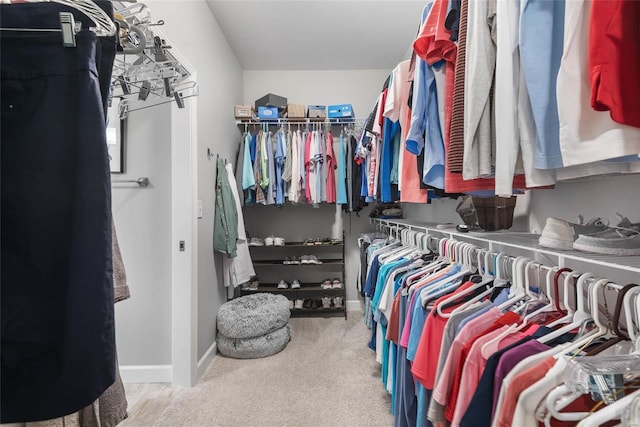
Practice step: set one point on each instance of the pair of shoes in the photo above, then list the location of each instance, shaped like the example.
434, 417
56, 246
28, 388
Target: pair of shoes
274, 241
256, 242
283, 285
291, 261
298, 304
326, 284
337, 302
295, 284
309, 242
309, 259
335, 241
336, 284
560, 234
595, 236
311, 303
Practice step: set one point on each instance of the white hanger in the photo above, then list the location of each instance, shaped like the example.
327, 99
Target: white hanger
609, 412
517, 291
568, 318
580, 316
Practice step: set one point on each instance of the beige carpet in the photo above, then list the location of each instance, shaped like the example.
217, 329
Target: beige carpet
326, 376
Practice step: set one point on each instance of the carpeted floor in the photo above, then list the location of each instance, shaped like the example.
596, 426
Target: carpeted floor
326, 376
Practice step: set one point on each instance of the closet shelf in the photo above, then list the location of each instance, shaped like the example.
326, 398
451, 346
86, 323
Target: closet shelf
274, 288
277, 263
523, 241
296, 245
337, 122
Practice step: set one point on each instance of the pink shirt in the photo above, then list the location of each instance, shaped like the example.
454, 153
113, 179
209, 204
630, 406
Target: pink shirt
469, 331
331, 169
307, 165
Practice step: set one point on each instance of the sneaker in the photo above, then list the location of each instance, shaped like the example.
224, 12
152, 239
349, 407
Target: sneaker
291, 304
304, 259
337, 302
560, 234
326, 284
336, 241
286, 261
294, 260
253, 283
336, 284
312, 259
326, 302
622, 240
256, 242
268, 241
295, 284
309, 242
278, 241
299, 304
283, 285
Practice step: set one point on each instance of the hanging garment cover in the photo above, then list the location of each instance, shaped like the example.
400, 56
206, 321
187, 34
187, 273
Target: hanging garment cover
58, 343
225, 226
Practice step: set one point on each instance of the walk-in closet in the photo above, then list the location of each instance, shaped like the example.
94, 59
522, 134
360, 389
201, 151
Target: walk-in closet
409, 213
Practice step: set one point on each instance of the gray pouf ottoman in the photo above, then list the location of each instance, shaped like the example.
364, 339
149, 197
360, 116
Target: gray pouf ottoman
253, 326
253, 315
254, 348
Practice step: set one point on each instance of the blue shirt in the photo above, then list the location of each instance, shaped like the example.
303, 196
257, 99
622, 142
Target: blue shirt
391, 129
341, 184
541, 46
279, 166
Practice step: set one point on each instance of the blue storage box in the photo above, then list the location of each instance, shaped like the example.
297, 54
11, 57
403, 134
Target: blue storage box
317, 112
341, 111
268, 113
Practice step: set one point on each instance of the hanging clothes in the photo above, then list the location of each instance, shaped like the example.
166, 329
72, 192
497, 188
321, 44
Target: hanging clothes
225, 226
58, 336
341, 181
237, 269
330, 166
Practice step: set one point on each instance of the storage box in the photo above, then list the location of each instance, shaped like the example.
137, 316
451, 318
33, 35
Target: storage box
317, 112
296, 111
495, 213
268, 113
243, 111
271, 100
487, 213
341, 111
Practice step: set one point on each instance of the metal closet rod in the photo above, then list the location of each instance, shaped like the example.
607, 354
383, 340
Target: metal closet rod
142, 181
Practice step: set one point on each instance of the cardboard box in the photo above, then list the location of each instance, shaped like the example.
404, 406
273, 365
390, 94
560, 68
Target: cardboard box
271, 100
243, 111
340, 111
296, 111
268, 113
317, 112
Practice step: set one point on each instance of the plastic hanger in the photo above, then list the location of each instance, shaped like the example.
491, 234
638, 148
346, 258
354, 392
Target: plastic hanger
569, 312
611, 412
580, 316
104, 24
517, 291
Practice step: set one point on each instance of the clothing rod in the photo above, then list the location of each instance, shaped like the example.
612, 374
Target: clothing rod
142, 181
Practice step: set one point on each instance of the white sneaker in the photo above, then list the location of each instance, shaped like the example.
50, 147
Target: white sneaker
256, 242
291, 304
298, 304
336, 284
337, 302
283, 285
312, 259
295, 284
278, 241
326, 302
326, 284
304, 259
268, 241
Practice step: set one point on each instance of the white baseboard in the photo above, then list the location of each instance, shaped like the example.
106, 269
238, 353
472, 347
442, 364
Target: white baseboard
354, 305
206, 360
146, 373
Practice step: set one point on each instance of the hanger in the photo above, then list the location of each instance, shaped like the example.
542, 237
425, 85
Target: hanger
517, 291
568, 281
610, 412
104, 26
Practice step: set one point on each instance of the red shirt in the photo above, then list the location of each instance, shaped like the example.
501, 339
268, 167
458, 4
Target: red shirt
614, 59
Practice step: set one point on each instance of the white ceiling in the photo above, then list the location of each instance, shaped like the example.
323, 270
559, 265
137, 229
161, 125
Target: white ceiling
318, 35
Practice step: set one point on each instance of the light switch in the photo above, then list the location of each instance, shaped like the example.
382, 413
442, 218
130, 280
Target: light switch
200, 209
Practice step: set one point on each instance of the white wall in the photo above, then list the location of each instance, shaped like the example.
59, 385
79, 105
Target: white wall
194, 31
143, 223
359, 88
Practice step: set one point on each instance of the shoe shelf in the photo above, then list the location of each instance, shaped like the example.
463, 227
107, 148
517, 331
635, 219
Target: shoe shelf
507, 241
268, 262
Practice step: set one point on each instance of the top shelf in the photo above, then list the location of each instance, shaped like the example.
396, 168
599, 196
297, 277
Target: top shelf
522, 241
303, 121
300, 244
